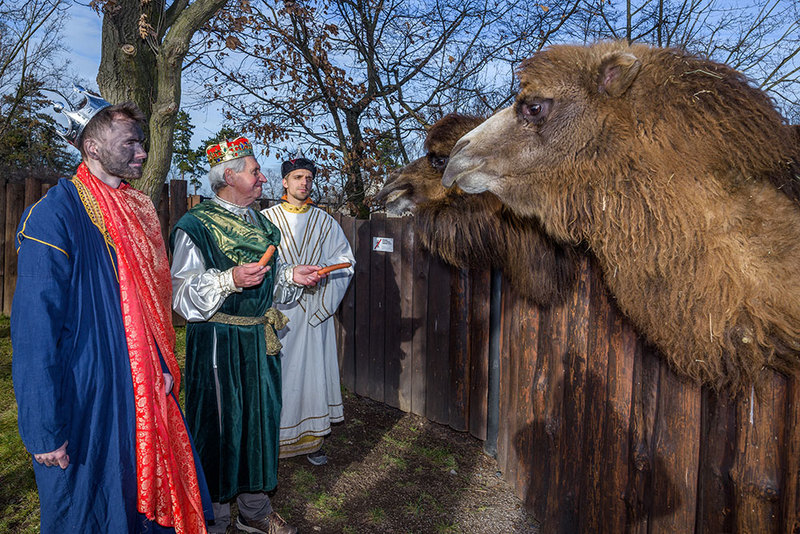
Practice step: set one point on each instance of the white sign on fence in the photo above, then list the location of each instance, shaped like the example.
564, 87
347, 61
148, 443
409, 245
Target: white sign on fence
383, 244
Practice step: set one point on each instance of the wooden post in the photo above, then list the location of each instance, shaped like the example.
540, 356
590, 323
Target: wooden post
362, 305
346, 316
4, 236
393, 291
15, 205
377, 311
479, 351
458, 401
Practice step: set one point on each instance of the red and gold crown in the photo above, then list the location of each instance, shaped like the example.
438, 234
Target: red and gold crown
228, 150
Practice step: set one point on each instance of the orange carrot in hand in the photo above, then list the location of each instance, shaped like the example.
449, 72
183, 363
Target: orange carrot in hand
329, 268
267, 256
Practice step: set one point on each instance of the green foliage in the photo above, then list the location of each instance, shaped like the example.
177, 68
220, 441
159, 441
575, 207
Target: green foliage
188, 161
29, 145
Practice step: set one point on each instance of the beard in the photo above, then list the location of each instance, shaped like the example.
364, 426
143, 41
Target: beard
119, 165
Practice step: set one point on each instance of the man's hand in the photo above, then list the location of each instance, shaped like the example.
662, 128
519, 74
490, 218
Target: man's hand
249, 274
307, 275
58, 457
168, 383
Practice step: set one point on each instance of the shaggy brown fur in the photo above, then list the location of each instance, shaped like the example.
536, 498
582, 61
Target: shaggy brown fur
476, 230
681, 178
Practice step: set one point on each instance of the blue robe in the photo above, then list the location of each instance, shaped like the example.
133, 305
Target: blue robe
71, 370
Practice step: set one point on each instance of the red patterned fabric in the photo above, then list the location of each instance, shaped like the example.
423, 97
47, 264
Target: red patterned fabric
168, 490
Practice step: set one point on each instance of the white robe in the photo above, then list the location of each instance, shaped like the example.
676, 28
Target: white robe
312, 397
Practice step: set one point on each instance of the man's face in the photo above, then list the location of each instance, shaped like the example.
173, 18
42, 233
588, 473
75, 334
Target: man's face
120, 149
298, 185
246, 184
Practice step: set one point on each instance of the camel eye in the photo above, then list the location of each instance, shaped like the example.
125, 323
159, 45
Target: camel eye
438, 162
535, 111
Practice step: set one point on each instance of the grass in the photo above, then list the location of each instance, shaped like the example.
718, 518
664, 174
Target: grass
390, 472
19, 500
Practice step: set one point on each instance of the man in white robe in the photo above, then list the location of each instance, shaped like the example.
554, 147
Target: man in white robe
312, 397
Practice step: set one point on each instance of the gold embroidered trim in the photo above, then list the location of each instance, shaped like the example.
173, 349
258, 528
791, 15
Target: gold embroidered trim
96, 216
22, 233
92, 209
291, 208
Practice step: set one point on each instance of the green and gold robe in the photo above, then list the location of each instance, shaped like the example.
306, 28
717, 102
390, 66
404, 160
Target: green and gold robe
233, 387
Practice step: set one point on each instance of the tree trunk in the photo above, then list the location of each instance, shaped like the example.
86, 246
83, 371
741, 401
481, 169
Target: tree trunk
127, 63
131, 70
354, 187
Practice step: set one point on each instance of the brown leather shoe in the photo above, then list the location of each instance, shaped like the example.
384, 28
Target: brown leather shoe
272, 524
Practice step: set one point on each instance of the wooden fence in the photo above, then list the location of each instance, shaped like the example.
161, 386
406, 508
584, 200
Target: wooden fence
595, 432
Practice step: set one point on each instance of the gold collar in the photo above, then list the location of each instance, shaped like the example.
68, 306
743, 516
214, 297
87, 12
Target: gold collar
291, 208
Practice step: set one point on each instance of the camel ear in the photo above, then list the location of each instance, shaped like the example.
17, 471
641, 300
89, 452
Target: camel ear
617, 72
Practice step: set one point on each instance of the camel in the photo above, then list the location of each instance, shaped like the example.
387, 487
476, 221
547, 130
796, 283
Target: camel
476, 230
682, 180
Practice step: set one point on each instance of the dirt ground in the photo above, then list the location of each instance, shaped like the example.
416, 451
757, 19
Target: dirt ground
398, 473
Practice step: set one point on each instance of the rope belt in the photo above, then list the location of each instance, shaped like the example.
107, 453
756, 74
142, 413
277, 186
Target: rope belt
272, 320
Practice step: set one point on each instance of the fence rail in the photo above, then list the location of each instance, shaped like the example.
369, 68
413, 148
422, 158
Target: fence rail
596, 433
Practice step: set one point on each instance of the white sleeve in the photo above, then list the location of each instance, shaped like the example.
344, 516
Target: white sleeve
197, 292
285, 289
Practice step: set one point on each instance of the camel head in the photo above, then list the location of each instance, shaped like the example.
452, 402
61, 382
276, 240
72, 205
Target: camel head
421, 180
587, 115
681, 178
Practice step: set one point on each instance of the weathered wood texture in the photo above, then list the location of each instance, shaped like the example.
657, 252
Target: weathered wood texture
596, 433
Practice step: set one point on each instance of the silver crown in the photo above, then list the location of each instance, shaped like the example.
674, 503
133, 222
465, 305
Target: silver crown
79, 118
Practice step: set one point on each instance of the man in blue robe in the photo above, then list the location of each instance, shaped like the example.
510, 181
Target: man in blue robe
78, 409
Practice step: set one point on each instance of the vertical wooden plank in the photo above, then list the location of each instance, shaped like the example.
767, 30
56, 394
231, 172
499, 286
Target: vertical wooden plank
419, 384
393, 314
346, 316
33, 191
479, 351
677, 451
568, 345
595, 412
506, 428
362, 306
163, 212
438, 324
530, 436
377, 311
622, 350
458, 401
177, 201
177, 208
407, 317
515, 348
15, 204
647, 372
4, 238
757, 472
715, 500
790, 496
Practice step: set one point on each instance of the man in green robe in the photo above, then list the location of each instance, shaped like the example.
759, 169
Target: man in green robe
233, 372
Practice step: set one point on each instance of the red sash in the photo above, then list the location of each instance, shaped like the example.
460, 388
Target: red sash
167, 487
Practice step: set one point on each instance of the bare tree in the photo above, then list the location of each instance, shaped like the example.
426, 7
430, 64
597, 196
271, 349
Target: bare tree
30, 40
759, 38
352, 79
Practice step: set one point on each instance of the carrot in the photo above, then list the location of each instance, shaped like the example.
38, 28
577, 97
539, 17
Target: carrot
267, 256
329, 268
